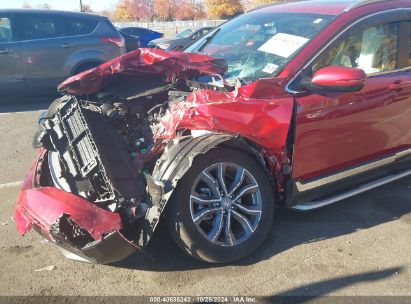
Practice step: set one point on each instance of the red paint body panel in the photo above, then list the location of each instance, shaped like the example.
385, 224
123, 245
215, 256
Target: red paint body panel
263, 121
43, 206
265, 88
171, 65
339, 130
46, 205
315, 7
337, 76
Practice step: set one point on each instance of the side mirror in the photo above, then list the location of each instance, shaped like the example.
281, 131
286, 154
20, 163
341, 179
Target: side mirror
339, 79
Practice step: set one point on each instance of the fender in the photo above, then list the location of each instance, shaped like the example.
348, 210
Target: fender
174, 163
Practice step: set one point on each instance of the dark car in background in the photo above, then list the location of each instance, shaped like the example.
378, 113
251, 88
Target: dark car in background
40, 48
180, 40
144, 34
132, 42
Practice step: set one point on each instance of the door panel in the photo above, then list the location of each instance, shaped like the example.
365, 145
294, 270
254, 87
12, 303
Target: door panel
11, 76
43, 51
334, 130
339, 130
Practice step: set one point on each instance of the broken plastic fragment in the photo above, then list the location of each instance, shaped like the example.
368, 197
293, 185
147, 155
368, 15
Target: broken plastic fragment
47, 268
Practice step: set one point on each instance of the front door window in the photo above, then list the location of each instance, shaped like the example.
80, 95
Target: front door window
373, 50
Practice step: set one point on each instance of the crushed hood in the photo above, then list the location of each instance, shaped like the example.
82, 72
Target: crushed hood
171, 65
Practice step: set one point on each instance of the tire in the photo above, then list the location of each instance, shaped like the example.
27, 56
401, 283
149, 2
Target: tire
85, 66
182, 211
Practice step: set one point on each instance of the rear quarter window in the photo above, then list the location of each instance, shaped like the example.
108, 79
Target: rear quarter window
110, 24
41, 27
80, 26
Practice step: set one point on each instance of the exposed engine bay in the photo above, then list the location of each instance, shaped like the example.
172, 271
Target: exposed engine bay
103, 147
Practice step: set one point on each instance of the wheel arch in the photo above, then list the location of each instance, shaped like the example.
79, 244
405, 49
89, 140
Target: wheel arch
180, 153
82, 63
174, 163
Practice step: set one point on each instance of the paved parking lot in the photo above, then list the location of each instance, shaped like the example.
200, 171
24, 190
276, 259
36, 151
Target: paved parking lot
360, 246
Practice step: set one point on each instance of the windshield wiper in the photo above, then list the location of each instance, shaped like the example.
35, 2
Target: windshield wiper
207, 40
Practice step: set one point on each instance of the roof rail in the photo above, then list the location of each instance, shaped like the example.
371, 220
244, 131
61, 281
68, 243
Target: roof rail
360, 3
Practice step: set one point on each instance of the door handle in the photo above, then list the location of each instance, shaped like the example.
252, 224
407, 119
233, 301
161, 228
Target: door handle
399, 85
5, 51
66, 45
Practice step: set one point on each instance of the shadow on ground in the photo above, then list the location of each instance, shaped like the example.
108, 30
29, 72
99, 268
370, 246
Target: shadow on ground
313, 293
324, 287
26, 104
291, 228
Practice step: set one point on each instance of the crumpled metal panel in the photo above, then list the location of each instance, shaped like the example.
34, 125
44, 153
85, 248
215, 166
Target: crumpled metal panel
171, 65
265, 121
265, 88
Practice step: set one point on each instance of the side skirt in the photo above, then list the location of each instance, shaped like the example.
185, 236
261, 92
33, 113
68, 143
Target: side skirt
362, 188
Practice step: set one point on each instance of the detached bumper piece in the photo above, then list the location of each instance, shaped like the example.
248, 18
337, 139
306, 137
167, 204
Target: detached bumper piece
82, 230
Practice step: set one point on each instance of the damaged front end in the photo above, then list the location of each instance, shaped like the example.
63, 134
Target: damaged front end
105, 172
83, 231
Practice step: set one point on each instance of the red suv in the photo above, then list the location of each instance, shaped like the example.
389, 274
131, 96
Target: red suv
297, 105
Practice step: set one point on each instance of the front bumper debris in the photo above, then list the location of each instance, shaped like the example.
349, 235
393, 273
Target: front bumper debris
84, 231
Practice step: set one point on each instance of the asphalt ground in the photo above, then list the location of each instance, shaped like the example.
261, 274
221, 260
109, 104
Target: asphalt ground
358, 247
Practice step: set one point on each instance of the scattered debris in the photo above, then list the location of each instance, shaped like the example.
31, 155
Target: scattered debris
47, 268
5, 223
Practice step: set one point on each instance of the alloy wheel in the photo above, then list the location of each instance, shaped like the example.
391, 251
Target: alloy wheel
225, 204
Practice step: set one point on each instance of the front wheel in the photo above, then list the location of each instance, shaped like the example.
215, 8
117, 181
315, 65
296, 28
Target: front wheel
222, 209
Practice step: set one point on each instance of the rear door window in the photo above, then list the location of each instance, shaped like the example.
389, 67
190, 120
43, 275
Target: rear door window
5, 30
80, 26
41, 27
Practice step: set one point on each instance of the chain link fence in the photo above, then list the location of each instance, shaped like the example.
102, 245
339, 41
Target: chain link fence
170, 28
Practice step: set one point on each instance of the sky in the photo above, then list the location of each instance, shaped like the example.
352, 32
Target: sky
68, 5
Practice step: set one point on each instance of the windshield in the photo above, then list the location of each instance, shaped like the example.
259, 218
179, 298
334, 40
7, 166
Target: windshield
260, 44
184, 34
